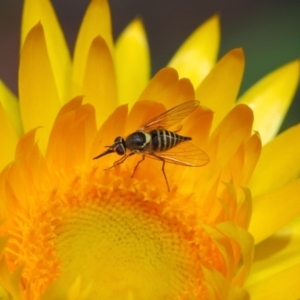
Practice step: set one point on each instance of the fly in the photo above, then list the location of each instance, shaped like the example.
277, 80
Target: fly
155, 141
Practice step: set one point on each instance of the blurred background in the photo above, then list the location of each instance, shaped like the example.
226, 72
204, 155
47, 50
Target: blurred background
267, 30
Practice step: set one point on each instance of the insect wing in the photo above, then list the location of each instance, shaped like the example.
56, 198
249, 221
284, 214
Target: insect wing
171, 116
185, 154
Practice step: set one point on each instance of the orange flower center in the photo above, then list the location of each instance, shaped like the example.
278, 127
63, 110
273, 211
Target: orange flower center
121, 244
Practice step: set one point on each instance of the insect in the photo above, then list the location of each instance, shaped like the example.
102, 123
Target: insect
155, 141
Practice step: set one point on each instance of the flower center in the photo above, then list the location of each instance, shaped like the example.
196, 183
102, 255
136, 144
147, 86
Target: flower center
122, 247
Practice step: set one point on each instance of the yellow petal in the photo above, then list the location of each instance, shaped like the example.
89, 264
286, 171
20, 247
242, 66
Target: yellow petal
252, 153
198, 54
96, 22
281, 285
114, 126
36, 11
39, 101
234, 129
276, 267
219, 288
10, 281
11, 108
99, 82
9, 139
244, 239
75, 291
3, 292
142, 112
219, 89
165, 88
132, 62
270, 99
201, 118
72, 136
273, 210
278, 164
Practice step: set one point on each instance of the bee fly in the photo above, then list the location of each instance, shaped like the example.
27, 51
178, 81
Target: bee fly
155, 141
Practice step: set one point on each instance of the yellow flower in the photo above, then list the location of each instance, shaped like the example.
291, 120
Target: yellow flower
73, 231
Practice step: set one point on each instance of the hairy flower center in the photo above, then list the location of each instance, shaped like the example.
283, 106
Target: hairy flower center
121, 246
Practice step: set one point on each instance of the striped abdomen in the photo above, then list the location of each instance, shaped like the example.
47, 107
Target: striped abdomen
163, 140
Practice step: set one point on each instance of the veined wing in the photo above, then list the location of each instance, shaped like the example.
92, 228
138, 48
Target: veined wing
171, 116
184, 154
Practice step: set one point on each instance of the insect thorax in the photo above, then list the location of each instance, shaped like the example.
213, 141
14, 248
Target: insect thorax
137, 141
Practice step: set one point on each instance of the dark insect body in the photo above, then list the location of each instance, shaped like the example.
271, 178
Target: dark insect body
155, 141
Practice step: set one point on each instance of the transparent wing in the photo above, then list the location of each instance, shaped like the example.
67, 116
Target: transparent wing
171, 116
185, 154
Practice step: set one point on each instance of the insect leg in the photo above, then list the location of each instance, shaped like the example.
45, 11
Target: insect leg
119, 161
137, 165
163, 168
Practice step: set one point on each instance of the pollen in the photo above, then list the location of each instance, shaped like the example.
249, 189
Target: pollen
31, 244
127, 246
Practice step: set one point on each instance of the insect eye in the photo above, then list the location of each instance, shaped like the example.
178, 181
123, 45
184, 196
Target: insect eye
118, 139
120, 149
